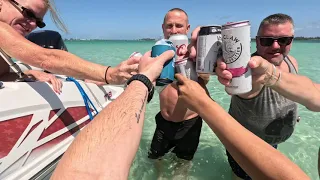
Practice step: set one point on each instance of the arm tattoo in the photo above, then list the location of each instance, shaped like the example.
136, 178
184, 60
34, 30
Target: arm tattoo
142, 106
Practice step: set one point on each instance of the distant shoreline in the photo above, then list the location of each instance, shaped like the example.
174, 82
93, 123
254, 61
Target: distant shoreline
153, 40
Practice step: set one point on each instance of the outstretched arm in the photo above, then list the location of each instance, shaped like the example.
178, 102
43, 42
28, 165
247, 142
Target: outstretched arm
106, 147
295, 87
59, 61
251, 152
299, 89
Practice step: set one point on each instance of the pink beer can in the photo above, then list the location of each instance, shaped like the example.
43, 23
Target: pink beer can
236, 42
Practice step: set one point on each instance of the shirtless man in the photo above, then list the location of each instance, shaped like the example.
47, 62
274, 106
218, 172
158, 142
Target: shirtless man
177, 127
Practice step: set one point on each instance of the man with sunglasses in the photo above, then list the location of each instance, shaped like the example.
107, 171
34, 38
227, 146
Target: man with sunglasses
295, 87
265, 112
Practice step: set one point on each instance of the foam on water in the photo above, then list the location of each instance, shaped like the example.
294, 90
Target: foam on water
210, 161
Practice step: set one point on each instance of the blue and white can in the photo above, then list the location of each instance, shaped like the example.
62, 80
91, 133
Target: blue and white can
167, 75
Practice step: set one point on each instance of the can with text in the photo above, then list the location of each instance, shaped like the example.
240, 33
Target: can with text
236, 54
208, 49
180, 42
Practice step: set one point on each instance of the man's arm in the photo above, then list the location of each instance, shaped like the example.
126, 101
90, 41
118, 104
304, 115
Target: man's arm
299, 89
57, 61
106, 147
295, 87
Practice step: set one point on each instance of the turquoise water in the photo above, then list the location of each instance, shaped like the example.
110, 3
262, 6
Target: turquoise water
210, 161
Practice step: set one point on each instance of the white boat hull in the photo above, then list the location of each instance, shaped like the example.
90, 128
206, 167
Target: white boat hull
37, 125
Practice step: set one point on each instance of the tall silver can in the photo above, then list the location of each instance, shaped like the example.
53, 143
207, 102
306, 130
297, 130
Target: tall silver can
208, 49
180, 42
187, 68
236, 54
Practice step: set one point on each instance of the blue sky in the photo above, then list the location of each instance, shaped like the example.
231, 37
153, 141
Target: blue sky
134, 19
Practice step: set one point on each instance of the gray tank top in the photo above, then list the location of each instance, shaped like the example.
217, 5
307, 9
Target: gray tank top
269, 115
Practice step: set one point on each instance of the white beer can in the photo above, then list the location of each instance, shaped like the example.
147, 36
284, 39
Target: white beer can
236, 42
208, 49
180, 42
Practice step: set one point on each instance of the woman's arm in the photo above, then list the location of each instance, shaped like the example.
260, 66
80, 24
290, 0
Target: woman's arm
61, 62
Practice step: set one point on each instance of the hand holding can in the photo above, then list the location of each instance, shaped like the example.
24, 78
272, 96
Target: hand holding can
236, 54
167, 75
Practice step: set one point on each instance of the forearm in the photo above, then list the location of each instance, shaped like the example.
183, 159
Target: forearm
61, 62
56, 61
299, 89
107, 146
252, 153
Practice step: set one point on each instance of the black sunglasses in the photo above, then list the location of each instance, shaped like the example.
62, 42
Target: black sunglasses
28, 13
268, 41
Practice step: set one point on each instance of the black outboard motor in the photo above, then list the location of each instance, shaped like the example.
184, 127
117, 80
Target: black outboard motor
47, 39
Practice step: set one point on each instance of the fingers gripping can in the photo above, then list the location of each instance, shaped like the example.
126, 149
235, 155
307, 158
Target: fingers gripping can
208, 49
167, 74
182, 64
236, 54
187, 68
180, 42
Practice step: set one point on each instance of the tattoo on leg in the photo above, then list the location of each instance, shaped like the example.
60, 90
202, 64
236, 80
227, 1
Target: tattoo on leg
142, 106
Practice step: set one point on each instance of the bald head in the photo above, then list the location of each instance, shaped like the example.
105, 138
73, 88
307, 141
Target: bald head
175, 22
178, 10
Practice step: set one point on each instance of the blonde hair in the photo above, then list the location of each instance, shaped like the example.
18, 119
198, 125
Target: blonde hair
55, 15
